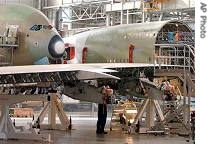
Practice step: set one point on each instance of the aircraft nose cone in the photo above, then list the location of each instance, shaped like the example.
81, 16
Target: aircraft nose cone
56, 47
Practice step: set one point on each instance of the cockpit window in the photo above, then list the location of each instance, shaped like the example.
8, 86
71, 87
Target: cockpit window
39, 27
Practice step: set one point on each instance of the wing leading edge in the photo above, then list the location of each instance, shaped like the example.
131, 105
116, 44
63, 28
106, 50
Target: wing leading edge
54, 72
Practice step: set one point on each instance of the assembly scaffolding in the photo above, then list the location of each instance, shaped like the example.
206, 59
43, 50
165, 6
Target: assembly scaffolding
79, 15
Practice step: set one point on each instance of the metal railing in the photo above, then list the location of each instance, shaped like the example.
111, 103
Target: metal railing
7, 45
176, 37
175, 56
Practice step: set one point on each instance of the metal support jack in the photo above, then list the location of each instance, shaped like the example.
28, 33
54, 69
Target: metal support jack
149, 103
7, 129
53, 107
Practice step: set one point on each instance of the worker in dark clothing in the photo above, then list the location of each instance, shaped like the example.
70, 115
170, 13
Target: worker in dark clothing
102, 110
102, 115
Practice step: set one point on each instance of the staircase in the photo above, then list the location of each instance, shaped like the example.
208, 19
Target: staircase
176, 60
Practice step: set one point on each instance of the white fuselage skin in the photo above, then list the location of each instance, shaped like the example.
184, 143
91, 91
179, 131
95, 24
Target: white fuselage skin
35, 34
111, 44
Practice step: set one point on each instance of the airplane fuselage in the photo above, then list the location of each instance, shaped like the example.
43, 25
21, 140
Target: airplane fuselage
122, 43
36, 37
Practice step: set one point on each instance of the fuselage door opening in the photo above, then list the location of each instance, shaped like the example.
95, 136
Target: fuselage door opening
69, 53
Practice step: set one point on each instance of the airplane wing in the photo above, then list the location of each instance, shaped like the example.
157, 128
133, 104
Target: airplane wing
53, 72
123, 65
63, 72
119, 65
66, 73
50, 68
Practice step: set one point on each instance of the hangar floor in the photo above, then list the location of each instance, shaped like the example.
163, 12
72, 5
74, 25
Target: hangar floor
84, 132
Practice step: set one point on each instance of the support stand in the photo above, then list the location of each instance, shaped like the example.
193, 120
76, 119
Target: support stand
7, 129
152, 102
54, 107
149, 105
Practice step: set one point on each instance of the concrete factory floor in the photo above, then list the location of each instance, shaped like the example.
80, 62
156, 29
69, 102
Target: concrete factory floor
84, 132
